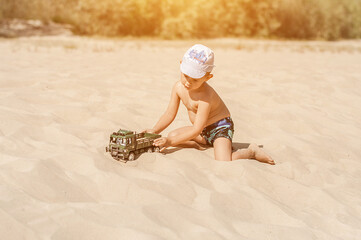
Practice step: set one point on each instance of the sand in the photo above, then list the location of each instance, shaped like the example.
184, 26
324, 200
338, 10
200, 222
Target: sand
61, 97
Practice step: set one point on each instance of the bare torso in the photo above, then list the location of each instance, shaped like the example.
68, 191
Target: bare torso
191, 99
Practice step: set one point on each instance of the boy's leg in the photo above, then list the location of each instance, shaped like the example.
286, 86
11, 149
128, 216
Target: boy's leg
243, 154
260, 155
253, 152
194, 143
222, 149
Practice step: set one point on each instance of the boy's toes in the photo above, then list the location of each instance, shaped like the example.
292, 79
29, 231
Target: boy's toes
261, 156
271, 161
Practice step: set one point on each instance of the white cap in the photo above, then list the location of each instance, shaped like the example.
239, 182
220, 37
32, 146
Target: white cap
197, 61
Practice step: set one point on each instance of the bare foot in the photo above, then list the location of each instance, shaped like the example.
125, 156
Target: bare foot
260, 155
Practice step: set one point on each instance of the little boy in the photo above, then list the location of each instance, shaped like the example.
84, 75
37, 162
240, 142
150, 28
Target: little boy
211, 120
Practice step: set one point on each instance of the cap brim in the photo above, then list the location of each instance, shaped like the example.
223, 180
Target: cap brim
190, 71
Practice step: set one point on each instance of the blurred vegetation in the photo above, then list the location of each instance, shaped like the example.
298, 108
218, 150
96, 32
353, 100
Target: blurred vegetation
291, 19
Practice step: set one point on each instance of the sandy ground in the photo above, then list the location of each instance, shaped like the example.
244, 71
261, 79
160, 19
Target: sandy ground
61, 97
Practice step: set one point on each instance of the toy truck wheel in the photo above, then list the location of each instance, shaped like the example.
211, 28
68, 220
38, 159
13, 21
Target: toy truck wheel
150, 150
131, 156
156, 149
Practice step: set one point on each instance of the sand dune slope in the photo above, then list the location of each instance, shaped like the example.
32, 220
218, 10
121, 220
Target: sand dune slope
61, 97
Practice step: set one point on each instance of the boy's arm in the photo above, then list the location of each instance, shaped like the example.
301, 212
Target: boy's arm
169, 115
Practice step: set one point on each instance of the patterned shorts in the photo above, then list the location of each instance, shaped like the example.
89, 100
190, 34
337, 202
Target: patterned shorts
222, 128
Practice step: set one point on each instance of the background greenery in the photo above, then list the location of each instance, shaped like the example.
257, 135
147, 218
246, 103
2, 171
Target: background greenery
291, 19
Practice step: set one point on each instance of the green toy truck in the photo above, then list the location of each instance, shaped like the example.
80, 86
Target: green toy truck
125, 145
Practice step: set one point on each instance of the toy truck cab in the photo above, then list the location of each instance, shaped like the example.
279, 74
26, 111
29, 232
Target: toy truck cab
126, 144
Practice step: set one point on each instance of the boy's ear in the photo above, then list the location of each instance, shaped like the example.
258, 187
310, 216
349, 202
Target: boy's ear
209, 76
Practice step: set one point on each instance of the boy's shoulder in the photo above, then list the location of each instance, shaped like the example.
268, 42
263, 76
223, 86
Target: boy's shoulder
177, 85
208, 92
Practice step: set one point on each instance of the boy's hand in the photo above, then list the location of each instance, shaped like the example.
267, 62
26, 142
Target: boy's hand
162, 143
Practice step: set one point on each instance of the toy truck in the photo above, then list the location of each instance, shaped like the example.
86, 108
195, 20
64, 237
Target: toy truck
125, 144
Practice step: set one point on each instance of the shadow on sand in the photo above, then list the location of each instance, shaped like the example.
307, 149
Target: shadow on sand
235, 147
